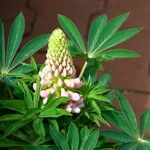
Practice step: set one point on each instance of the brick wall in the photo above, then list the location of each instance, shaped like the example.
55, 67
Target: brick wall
133, 76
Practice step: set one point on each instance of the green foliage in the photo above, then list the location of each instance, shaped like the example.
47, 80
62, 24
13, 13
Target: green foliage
130, 137
25, 121
83, 140
13, 57
103, 35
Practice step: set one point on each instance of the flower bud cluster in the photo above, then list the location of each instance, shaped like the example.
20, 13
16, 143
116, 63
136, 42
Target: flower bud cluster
58, 74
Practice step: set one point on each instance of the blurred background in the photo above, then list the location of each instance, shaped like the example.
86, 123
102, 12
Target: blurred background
130, 75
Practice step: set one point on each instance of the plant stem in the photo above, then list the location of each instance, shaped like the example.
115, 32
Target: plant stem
83, 69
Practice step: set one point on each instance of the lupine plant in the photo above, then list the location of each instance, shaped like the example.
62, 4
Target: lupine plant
49, 106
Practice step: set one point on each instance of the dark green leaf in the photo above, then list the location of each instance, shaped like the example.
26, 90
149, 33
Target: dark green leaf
128, 112
105, 79
117, 53
15, 126
10, 117
92, 69
73, 137
98, 98
91, 141
108, 31
119, 120
23, 68
145, 122
2, 45
14, 38
39, 128
59, 139
72, 31
29, 49
27, 94
117, 136
5, 142
95, 31
33, 64
53, 113
54, 102
16, 105
73, 49
129, 146
120, 37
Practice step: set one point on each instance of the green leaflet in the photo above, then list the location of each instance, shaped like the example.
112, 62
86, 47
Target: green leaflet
29, 49
117, 53
16, 105
108, 31
2, 45
73, 137
72, 32
15, 37
145, 122
59, 139
95, 31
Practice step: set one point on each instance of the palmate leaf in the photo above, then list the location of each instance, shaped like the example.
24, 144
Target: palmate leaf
72, 32
117, 53
14, 38
108, 31
29, 49
2, 45
129, 146
144, 122
95, 31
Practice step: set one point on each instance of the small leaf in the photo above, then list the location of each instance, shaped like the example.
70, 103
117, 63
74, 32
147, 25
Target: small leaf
95, 31
5, 142
27, 94
119, 120
117, 53
14, 38
98, 98
105, 79
33, 64
10, 117
145, 122
16, 105
29, 49
129, 146
120, 37
59, 139
53, 113
73, 137
108, 31
92, 141
95, 107
15, 126
2, 45
117, 136
128, 112
39, 128
72, 32
23, 68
